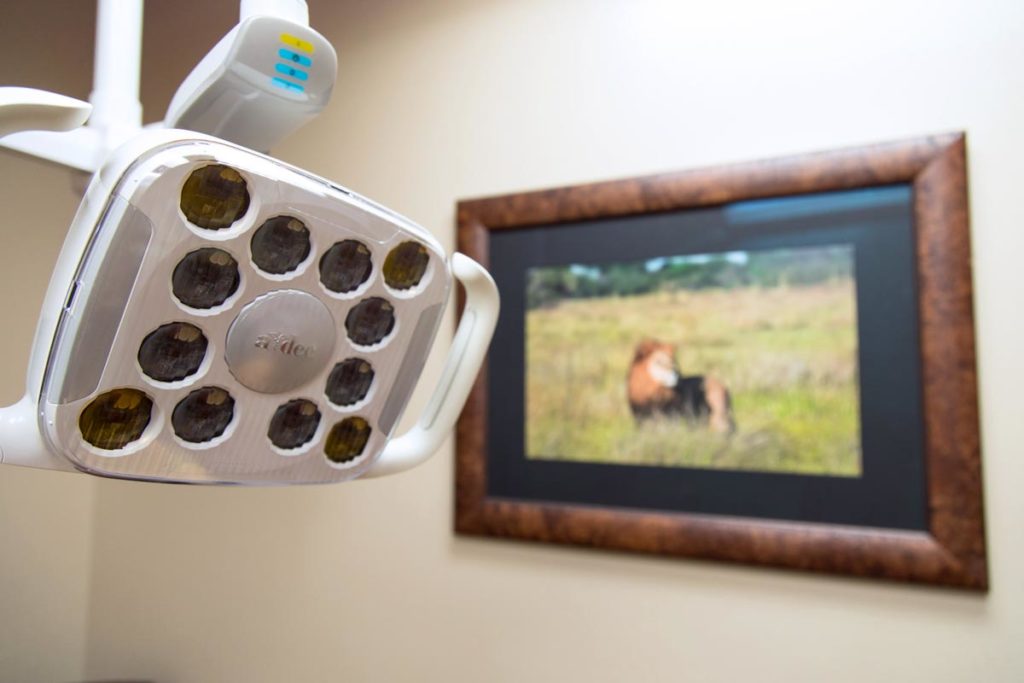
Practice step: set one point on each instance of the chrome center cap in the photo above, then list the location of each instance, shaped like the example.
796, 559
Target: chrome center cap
280, 341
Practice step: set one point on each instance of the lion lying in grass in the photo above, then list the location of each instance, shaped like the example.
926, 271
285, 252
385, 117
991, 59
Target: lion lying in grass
656, 387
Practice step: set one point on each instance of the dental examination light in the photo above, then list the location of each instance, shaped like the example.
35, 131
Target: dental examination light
218, 316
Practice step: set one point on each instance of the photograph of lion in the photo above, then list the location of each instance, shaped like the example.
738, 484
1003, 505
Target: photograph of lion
743, 360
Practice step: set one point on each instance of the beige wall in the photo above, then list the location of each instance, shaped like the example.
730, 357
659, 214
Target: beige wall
455, 98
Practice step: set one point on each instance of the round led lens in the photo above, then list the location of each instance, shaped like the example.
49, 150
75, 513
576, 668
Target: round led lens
205, 278
116, 418
349, 382
203, 415
280, 245
345, 266
172, 352
405, 265
214, 197
370, 321
347, 439
294, 424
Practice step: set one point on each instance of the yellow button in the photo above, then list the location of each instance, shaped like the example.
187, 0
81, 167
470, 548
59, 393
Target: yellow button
297, 43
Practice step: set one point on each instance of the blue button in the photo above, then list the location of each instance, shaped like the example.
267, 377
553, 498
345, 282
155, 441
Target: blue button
287, 85
297, 74
294, 57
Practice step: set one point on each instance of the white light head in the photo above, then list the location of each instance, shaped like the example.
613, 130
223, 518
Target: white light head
266, 78
217, 316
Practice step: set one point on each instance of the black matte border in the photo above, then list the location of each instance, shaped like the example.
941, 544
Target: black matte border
878, 222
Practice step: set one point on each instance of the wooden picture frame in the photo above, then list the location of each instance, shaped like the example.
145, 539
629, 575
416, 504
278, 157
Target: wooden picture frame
950, 551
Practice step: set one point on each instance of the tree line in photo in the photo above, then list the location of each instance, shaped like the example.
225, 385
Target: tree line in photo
764, 269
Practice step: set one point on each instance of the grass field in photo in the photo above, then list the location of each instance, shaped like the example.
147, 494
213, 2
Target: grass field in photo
778, 328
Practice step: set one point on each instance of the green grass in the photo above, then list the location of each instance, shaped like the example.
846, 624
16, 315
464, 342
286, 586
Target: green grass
787, 354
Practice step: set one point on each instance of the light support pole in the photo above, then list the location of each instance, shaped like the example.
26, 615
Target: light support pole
116, 109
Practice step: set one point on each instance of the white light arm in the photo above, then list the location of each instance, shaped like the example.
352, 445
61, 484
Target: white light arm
270, 75
117, 113
464, 360
293, 10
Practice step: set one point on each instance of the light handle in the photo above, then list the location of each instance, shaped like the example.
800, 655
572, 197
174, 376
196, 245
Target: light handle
24, 109
469, 347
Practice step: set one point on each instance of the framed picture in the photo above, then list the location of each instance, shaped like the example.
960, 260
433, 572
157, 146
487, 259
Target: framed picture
769, 363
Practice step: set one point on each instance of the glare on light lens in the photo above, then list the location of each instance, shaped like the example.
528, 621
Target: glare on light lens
280, 245
116, 418
214, 197
349, 382
172, 352
405, 265
345, 266
205, 278
294, 424
370, 321
347, 439
203, 415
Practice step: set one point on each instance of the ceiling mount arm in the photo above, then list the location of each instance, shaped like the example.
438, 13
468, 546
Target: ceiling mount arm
270, 75
117, 111
293, 10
